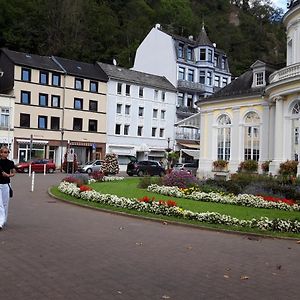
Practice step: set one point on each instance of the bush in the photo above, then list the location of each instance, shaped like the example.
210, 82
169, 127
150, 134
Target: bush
97, 175
265, 166
248, 166
182, 179
78, 179
110, 164
288, 168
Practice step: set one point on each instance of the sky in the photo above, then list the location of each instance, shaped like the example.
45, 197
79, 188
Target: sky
280, 3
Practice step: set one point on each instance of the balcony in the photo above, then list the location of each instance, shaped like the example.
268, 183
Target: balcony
189, 136
191, 86
285, 73
186, 111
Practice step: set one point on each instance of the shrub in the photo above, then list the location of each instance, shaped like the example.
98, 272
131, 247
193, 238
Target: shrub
97, 175
182, 179
248, 166
288, 168
78, 179
265, 166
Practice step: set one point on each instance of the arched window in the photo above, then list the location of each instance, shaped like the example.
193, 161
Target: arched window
251, 136
295, 130
224, 124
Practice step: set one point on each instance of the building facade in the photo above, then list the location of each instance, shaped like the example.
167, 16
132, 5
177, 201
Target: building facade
141, 114
59, 103
256, 117
196, 67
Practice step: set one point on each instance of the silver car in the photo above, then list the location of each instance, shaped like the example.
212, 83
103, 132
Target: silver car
91, 166
190, 167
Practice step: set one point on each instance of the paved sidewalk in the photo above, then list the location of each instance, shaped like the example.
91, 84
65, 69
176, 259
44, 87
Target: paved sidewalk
54, 250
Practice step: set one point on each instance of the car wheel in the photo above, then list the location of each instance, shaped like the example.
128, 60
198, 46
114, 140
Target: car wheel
161, 174
51, 170
89, 171
140, 173
26, 170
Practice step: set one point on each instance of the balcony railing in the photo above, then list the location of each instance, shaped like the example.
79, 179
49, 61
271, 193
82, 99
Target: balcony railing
187, 136
285, 73
191, 86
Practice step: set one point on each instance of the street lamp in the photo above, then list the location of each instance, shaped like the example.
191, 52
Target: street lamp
168, 150
61, 148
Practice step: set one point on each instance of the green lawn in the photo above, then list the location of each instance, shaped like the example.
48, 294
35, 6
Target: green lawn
128, 188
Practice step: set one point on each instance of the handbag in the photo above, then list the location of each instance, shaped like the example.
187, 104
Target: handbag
11, 192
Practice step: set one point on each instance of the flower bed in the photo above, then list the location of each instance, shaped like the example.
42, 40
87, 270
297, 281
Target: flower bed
241, 199
162, 208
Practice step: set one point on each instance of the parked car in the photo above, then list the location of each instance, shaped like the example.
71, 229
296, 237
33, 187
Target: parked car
36, 166
190, 167
145, 167
91, 166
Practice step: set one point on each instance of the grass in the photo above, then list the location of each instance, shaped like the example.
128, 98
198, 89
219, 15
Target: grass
128, 188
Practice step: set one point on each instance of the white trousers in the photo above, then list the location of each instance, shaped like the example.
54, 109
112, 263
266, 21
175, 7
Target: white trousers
4, 201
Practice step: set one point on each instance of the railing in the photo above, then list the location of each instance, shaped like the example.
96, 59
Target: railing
187, 136
285, 73
190, 85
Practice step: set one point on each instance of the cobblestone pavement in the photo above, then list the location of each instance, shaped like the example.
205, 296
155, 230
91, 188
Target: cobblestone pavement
54, 250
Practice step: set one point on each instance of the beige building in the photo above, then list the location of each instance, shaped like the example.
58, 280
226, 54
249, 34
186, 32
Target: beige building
59, 103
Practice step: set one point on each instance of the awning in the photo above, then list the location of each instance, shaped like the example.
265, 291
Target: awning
36, 142
191, 146
157, 153
194, 153
83, 144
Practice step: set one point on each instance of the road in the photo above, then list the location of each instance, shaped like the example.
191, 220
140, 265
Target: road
54, 250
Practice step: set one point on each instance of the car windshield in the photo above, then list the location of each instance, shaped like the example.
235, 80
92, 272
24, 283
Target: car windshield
89, 162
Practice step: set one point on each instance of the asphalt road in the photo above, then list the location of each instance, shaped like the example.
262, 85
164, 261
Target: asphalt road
54, 250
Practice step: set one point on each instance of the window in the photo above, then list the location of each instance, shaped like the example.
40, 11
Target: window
163, 114
155, 94
154, 115
189, 53
44, 78
77, 124
94, 86
93, 124
127, 90
161, 132
42, 122
119, 88
93, 105
181, 73
141, 111
295, 131
126, 129
224, 81
43, 99
141, 92
180, 99
25, 74
54, 123
224, 138
56, 79
202, 54
217, 80
216, 60
190, 101
4, 118
202, 77
163, 96
140, 130
25, 97
259, 78
25, 120
251, 136
78, 103
119, 108
223, 63
180, 51
209, 78
78, 84
153, 131
190, 75
55, 101
209, 52
127, 109
118, 129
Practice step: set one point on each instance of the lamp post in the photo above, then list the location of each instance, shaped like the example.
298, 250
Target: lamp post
168, 150
61, 149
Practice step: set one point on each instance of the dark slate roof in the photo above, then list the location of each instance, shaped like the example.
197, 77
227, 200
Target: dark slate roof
31, 60
203, 39
82, 69
145, 79
295, 3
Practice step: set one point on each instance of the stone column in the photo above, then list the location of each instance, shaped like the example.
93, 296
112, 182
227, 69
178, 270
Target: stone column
264, 134
278, 138
235, 141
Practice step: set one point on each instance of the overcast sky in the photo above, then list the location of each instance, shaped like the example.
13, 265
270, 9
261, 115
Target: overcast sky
280, 3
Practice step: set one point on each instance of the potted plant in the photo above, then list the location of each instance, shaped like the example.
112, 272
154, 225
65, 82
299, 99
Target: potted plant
288, 168
220, 165
248, 166
265, 166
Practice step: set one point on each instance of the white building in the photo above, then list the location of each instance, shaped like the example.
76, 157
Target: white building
140, 114
194, 66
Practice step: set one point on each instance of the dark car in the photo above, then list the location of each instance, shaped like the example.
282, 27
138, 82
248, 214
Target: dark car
36, 166
145, 167
190, 167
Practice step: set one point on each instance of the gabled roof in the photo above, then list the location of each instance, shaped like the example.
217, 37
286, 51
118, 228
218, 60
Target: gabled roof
31, 60
203, 39
141, 78
82, 69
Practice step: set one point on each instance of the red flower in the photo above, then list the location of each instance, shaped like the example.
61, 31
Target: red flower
85, 188
171, 203
276, 199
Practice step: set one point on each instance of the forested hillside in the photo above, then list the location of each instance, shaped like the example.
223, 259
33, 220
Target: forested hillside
90, 30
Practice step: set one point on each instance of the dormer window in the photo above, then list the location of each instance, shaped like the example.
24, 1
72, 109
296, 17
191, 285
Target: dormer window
202, 54
259, 78
180, 51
